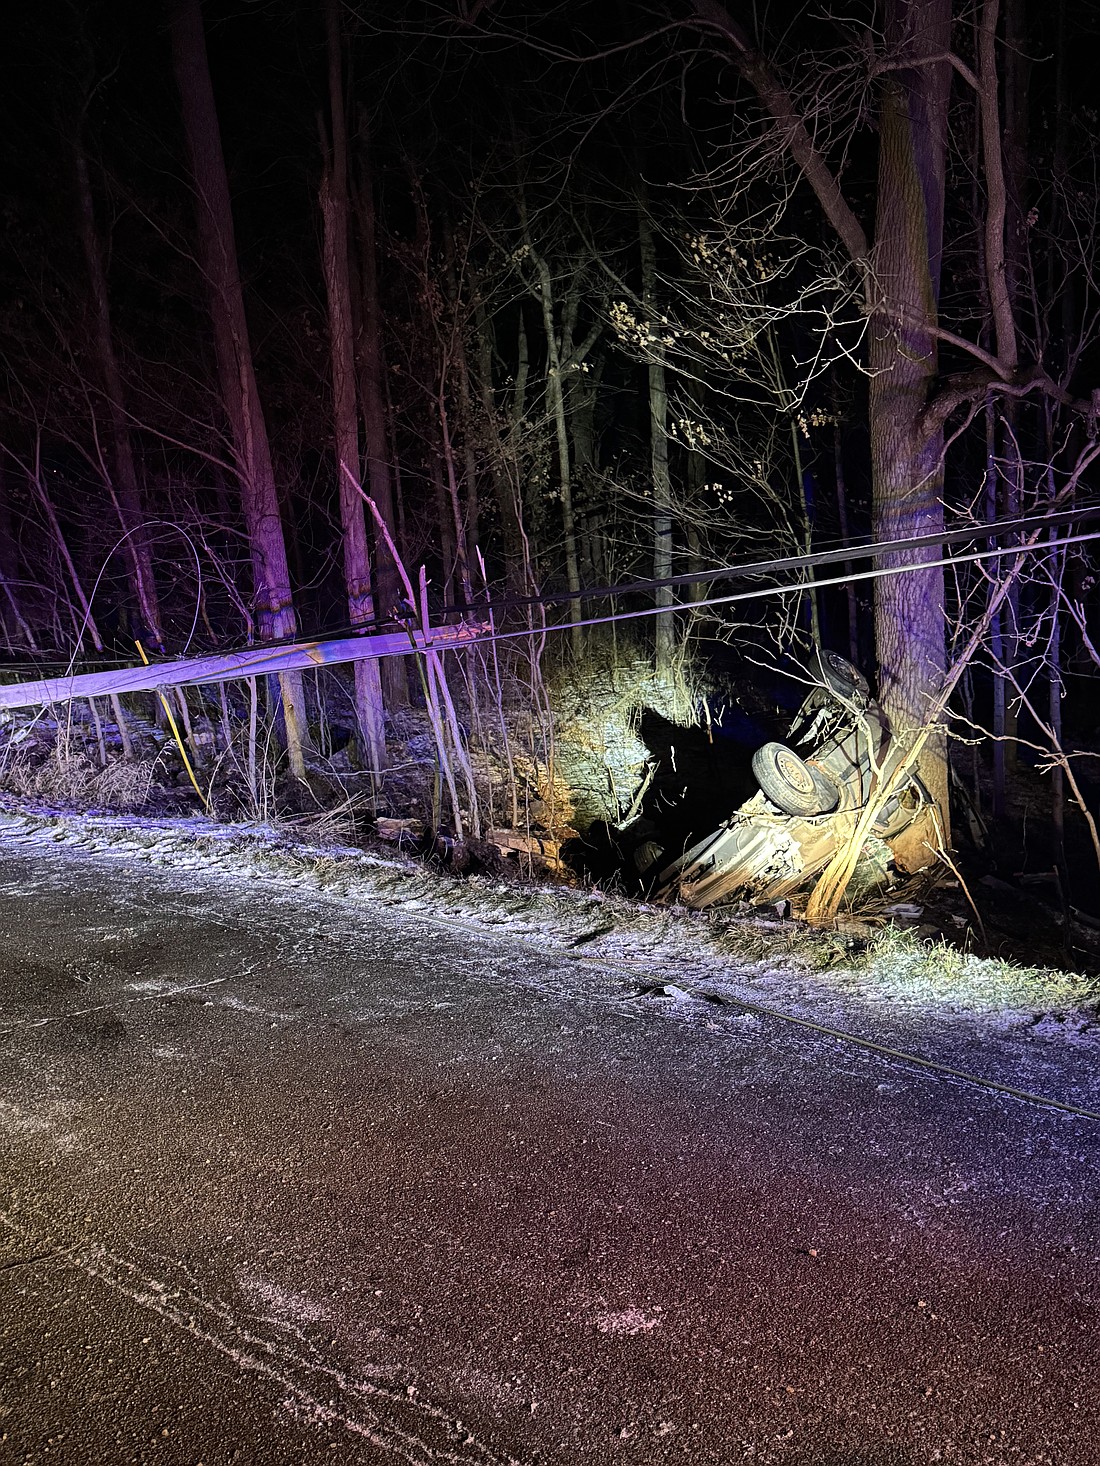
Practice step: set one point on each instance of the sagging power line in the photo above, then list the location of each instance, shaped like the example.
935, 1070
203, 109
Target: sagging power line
271, 660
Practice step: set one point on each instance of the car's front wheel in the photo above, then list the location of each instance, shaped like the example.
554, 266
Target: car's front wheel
791, 784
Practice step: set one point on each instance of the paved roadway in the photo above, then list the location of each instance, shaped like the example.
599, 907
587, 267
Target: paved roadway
286, 1181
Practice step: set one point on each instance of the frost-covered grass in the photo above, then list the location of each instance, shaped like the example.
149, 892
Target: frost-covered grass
763, 957
935, 972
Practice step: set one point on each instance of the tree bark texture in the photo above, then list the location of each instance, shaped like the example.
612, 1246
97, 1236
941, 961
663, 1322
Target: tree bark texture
357, 567
902, 293
661, 483
217, 252
236, 372
907, 463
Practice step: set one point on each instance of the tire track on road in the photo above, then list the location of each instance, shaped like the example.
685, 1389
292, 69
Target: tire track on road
316, 1392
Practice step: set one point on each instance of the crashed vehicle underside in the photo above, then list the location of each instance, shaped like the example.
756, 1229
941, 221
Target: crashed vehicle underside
784, 836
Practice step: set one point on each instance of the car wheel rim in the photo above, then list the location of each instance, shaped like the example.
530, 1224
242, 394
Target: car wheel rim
794, 772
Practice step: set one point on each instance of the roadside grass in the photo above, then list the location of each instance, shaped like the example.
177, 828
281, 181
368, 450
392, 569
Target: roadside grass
891, 965
68, 773
939, 973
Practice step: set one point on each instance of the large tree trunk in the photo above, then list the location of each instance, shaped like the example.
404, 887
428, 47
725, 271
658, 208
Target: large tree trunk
907, 464
357, 568
217, 252
122, 480
841, 483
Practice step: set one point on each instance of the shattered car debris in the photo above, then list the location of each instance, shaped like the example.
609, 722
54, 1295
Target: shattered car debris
786, 834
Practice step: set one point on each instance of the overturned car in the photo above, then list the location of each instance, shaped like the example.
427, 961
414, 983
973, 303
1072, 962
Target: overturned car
785, 835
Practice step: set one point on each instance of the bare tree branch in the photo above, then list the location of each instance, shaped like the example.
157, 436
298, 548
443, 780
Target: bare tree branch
793, 132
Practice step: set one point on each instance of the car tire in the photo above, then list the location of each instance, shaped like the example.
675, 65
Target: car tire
841, 678
791, 784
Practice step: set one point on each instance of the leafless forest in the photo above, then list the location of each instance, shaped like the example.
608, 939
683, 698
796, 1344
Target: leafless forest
340, 319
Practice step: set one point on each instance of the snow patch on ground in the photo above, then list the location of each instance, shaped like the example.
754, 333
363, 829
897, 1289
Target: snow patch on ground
280, 1305
255, 1010
16, 1120
628, 1321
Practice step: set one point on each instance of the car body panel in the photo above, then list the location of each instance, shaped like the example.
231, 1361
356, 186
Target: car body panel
762, 854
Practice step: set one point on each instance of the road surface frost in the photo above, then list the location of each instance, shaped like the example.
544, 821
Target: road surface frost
297, 1169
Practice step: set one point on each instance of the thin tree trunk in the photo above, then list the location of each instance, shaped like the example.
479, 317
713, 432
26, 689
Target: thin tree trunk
122, 725
444, 519
9, 569
1054, 710
505, 492
1055, 685
518, 413
555, 399
523, 369
217, 253
442, 469
696, 475
357, 568
462, 559
373, 397
999, 805
581, 393
464, 394
395, 677
664, 624
87, 624
123, 481
97, 724
1011, 140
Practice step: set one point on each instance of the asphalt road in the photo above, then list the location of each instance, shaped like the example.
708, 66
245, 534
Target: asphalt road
286, 1180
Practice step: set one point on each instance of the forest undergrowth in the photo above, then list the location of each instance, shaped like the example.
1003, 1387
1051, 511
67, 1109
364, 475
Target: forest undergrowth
514, 819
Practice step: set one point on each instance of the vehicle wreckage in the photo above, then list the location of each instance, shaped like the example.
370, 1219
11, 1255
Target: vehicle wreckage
811, 788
